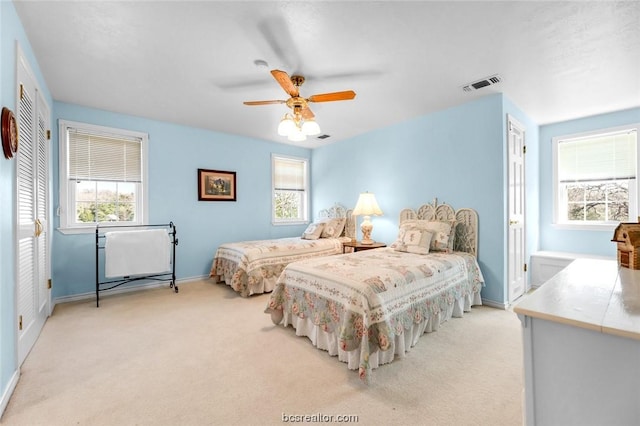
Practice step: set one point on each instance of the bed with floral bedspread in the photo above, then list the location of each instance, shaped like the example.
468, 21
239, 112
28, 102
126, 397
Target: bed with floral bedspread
252, 267
371, 306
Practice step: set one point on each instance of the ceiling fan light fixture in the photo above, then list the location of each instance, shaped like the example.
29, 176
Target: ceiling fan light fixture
297, 135
300, 124
311, 127
286, 126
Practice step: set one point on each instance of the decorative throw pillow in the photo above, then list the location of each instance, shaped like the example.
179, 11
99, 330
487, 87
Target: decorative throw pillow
413, 240
333, 227
441, 235
452, 235
406, 225
313, 231
443, 232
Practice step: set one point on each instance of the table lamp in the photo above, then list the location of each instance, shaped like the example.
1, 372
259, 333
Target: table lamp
366, 206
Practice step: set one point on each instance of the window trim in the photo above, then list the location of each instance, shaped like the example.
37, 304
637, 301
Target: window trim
597, 226
280, 222
65, 226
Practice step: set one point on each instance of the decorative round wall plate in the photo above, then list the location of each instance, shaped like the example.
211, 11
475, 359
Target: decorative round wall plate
9, 133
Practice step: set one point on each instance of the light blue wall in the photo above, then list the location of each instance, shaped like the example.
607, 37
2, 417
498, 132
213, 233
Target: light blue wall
551, 238
11, 30
456, 155
175, 154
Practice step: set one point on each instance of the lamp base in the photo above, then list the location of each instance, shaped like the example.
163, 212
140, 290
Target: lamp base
366, 227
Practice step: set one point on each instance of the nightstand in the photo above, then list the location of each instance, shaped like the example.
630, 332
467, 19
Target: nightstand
357, 246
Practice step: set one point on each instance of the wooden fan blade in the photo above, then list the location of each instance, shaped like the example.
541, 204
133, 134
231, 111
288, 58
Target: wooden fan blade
264, 102
285, 81
306, 113
335, 96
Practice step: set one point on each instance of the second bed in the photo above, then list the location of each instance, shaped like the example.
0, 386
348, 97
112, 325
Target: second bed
252, 267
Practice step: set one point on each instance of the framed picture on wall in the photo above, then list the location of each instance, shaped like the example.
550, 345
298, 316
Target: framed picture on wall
216, 185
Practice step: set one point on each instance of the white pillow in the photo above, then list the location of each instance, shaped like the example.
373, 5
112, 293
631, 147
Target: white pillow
443, 232
333, 227
313, 231
413, 240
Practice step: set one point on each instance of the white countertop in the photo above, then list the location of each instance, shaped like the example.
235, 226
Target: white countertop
589, 293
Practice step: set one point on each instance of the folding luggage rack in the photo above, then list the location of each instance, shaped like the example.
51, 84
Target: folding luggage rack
111, 284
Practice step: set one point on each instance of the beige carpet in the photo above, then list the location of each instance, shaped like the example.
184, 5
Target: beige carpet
205, 356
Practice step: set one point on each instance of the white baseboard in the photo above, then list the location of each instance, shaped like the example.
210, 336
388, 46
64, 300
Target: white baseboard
127, 289
494, 304
6, 395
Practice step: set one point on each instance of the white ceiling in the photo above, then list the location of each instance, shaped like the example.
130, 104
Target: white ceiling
192, 63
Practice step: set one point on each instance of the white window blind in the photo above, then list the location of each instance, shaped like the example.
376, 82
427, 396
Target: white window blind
606, 157
595, 178
290, 178
289, 175
103, 175
104, 157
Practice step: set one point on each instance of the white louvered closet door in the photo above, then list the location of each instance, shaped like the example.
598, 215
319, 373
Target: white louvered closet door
32, 210
42, 206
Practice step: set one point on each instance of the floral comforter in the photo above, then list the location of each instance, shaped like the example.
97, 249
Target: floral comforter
367, 299
249, 266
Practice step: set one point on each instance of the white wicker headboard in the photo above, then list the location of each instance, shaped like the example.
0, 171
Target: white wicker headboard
339, 211
466, 234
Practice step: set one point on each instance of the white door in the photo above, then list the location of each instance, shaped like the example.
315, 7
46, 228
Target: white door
33, 294
516, 272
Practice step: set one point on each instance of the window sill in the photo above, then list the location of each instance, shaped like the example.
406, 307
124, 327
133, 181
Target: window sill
584, 227
301, 222
73, 231
91, 229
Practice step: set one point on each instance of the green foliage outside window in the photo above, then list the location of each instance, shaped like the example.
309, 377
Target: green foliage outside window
287, 204
100, 202
106, 212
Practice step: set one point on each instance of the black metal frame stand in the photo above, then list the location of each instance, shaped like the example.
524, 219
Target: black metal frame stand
108, 285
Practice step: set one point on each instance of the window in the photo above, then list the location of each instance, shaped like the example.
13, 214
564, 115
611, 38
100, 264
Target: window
596, 177
290, 189
102, 176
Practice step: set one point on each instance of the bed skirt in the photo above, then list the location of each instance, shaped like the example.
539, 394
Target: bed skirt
258, 281
329, 341
253, 267
250, 285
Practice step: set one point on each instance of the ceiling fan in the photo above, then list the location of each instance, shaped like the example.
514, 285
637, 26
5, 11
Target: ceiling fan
302, 123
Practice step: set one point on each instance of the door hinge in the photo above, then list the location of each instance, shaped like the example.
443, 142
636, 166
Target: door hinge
20, 322
21, 92
525, 267
48, 135
524, 149
49, 285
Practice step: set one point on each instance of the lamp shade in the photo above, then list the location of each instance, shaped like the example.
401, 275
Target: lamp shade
296, 135
286, 126
367, 205
310, 127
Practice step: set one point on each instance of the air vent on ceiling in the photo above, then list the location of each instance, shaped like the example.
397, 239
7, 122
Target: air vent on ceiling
323, 136
494, 79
